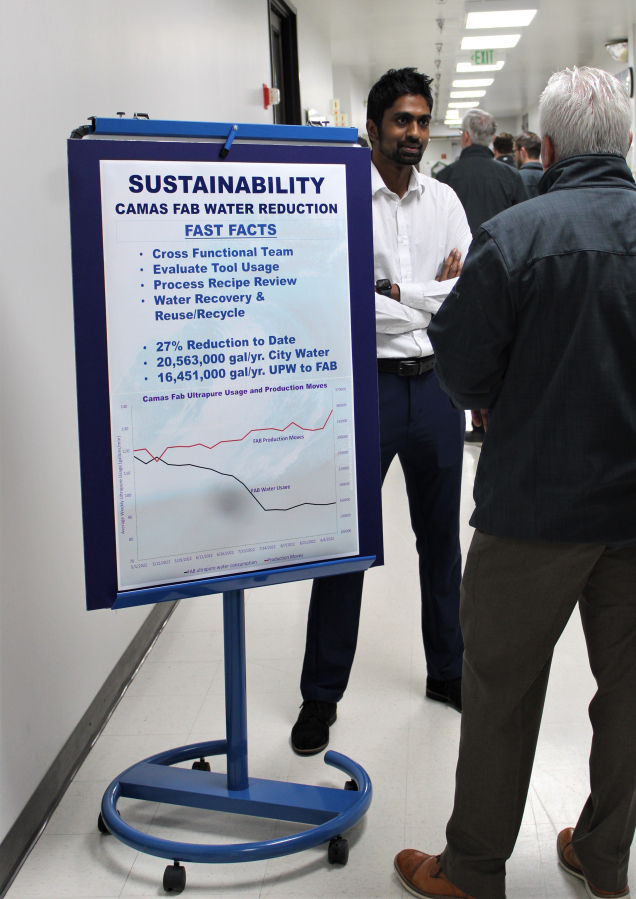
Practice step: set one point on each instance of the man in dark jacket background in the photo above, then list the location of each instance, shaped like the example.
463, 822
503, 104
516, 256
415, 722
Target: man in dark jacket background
539, 336
527, 155
483, 186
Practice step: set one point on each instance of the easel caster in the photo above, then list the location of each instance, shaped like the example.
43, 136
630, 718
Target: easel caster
201, 765
101, 825
338, 852
174, 878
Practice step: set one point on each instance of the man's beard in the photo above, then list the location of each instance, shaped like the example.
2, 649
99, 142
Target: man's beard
404, 158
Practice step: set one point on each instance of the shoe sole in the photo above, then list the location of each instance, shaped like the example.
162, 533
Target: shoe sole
581, 876
320, 748
411, 889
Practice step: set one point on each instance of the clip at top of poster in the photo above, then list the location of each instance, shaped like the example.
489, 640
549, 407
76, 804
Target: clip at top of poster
228, 143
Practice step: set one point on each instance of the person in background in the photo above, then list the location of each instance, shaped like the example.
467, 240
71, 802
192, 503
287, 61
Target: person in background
484, 187
502, 147
420, 237
527, 157
540, 334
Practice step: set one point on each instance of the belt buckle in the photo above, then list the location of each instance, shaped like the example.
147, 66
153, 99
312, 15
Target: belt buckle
409, 368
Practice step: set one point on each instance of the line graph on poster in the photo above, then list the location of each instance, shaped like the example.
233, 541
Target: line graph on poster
233, 480
150, 458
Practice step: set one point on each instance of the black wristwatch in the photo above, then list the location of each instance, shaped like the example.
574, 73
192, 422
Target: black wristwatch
384, 286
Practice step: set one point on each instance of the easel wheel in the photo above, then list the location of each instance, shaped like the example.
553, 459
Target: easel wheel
338, 852
174, 878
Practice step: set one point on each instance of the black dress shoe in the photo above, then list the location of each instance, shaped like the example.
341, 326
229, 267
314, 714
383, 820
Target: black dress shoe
449, 691
310, 734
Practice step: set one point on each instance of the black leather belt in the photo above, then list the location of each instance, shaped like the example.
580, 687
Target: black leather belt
407, 368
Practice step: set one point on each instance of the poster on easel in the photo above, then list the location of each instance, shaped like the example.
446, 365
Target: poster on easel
225, 310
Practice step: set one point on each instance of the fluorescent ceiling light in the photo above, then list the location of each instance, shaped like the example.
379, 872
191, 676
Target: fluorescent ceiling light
473, 82
509, 18
452, 118
457, 95
490, 42
461, 106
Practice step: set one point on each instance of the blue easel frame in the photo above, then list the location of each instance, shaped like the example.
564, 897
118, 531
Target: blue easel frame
99, 526
330, 811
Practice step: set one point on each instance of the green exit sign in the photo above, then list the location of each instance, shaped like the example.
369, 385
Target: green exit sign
484, 58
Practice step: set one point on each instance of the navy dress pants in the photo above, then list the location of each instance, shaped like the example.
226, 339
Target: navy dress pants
419, 425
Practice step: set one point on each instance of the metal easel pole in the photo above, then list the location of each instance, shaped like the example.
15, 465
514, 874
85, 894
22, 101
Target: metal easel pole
235, 696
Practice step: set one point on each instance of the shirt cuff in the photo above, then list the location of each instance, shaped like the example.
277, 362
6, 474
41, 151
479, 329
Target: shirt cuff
427, 296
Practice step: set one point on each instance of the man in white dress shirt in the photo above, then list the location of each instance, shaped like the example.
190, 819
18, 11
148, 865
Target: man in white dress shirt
420, 237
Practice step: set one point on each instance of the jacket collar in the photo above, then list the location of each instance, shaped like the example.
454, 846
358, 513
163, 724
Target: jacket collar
533, 164
589, 170
477, 150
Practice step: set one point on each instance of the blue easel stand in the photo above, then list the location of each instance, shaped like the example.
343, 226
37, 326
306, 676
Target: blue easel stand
332, 811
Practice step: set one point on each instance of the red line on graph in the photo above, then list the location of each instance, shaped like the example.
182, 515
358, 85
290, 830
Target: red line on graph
143, 449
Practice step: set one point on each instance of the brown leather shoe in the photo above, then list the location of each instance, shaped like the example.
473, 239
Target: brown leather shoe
570, 863
421, 875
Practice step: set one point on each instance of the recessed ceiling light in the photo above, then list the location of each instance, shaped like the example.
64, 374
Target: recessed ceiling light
490, 41
469, 67
452, 114
473, 82
618, 49
509, 18
461, 105
457, 95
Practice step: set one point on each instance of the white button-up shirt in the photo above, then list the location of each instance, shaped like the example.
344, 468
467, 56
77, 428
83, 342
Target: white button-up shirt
412, 238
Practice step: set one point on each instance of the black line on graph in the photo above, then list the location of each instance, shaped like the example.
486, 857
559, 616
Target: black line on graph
227, 475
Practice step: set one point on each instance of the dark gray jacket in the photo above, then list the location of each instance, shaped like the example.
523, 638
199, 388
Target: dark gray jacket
531, 173
483, 185
541, 329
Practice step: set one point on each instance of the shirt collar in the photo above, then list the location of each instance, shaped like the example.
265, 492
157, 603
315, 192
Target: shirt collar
416, 182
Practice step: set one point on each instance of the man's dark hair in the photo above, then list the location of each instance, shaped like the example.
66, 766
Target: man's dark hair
504, 142
531, 142
394, 84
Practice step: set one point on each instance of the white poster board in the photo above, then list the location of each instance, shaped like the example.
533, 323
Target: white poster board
230, 370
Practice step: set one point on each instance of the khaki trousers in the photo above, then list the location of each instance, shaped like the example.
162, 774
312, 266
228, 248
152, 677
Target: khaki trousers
516, 599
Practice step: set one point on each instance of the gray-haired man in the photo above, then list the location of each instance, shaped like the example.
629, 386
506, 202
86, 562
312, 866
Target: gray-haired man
483, 187
540, 335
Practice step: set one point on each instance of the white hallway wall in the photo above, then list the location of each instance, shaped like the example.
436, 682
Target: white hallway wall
314, 58
601, 60
61, 61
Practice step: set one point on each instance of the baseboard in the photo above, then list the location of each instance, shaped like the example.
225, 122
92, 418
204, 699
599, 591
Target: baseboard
26, 830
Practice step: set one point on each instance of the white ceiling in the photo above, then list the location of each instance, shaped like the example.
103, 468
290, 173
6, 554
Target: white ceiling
372, 36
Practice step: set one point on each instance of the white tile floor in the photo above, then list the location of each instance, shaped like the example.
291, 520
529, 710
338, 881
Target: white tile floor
407, 744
